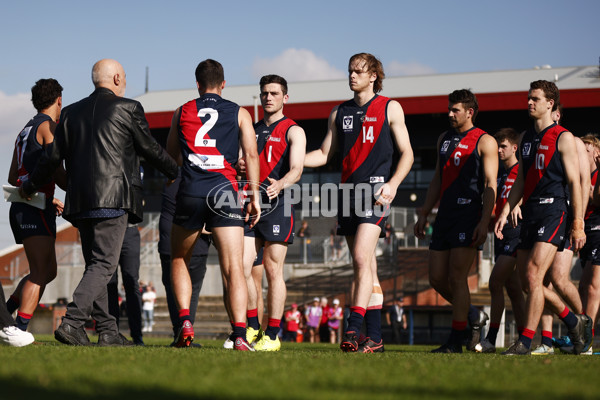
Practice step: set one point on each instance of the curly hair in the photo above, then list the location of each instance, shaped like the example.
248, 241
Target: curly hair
467, 98
372, 64
45, 92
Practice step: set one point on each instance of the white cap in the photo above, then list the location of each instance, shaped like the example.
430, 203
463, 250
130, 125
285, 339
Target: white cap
336, 301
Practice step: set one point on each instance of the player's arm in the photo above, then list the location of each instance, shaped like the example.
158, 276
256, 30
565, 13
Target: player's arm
584, 173
297, 151
250, 154
13, 172
488, 149
568, 154
387, 192
432, 196
173, 147
45, 136
322, 155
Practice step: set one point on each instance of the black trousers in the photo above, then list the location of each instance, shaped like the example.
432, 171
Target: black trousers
101, 241
129, 261
197, 269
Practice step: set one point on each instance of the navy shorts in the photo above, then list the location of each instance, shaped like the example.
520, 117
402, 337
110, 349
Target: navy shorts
451, 230
545, 224
274, 225
591, 250
27, 221
352, 213
508, 245
195, 212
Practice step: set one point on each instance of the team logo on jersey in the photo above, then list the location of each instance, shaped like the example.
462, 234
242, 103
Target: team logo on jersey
445, 146
526, 149
507, 247
463, 201
541, 231
462, 236
546, 200
348, 122
369, 213
276, 229
376, 179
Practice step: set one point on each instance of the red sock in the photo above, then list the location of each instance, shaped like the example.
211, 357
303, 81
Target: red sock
528, 333
564, 313
184, 312
358, 310
459, 325
252, 313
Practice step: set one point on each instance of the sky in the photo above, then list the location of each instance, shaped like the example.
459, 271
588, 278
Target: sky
301, 40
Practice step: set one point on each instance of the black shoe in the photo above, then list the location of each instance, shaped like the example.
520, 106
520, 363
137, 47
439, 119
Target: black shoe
579, 334
476, 328
517, 349
70, 335
448, 348
369, 346
113, 339
192, 345
349, 342
588, 337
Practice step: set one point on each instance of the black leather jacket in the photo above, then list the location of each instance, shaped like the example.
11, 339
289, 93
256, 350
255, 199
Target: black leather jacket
101, 138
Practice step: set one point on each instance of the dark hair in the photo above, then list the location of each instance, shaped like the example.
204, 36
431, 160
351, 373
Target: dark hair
265, 80
550, 91
209, 74
373, 65
507, 134
44, 93
467, 98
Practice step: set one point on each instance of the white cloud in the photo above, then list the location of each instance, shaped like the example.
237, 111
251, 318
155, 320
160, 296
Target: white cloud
397, 68
15, 111
297, 65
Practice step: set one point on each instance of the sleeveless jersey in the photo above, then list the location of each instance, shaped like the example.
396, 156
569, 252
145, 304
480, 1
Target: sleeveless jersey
209, 140
461, 171
29, 151
506, 179
273, 150
365, 140
544, 173
592, 213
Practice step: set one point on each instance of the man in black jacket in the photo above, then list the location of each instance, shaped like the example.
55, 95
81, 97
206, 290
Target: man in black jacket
100, 138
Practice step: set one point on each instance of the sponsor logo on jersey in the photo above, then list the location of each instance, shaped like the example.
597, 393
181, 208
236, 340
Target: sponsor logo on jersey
541, 231
526, 149
463, 146
371, 119
546, 200
445, 146
595, 228
348, 122
376, 179
208, 143
463, 201
542, 147
510, 180
462, 236
205, 161
274, 139
276, 229
28, 226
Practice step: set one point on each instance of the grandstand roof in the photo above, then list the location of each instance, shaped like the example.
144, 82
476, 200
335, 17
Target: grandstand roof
496, 90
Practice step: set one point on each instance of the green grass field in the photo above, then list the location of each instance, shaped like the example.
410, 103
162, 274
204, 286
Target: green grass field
49, 370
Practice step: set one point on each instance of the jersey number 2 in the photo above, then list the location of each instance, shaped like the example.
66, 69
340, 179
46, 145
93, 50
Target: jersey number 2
207, 126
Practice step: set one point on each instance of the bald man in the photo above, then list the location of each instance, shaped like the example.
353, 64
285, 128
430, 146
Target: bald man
100, 138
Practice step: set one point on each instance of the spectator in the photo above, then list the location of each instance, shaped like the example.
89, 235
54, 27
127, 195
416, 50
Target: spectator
292, 320
397, 319
148, 299
335, 315
323, 327
313, 319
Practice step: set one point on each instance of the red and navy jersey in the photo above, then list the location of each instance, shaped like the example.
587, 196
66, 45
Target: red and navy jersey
544, 172
29, 151
366, 141
273, 149
506, 180
592, 213
209, 140
460, 171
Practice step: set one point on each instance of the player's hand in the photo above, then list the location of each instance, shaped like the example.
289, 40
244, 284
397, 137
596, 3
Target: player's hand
253, 211
23, 195
385, 195
241, 167
59, 206
479, 235
577, 235
499, 226
274, 188
419, 228
515, 216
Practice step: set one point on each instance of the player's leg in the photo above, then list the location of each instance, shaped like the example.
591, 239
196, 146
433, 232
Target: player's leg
182, 243
559, 276
362, 246
229, 243
257, 275
439, 264
590, 289
249, 255
42, 270
374, 341
273, 259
